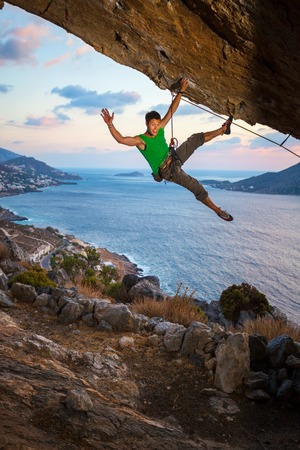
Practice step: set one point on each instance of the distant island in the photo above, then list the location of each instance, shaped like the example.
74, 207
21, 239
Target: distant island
285, 182
129, 174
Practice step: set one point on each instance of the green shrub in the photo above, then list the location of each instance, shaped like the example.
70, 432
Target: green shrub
242, 297
93, 282
118, 292
108, 275
90, 273
74, 265
36, 277
93, 257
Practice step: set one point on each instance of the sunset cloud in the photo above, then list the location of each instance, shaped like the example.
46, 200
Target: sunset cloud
83, 50
57, 60
91, 101
44, 121
18, 45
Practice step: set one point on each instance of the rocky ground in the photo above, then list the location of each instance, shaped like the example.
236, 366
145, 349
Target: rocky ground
143, 398
70, 387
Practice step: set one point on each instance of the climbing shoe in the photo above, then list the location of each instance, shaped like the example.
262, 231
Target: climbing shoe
228, 123
225, 216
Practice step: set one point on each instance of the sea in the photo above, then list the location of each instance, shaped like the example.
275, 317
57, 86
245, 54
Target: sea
163, 230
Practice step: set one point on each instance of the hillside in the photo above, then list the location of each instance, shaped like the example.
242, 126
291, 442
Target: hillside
22, 174
285, 182
6, 155
33, 166
83, 387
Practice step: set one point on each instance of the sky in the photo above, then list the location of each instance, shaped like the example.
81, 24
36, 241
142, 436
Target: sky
52, 89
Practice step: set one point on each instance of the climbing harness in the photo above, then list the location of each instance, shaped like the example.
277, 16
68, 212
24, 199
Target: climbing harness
173, 157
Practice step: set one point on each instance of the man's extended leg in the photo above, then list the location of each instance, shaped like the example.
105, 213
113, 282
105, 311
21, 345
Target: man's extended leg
183, 179
185, 150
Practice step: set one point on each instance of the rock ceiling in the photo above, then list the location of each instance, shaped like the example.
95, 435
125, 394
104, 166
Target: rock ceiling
241, 57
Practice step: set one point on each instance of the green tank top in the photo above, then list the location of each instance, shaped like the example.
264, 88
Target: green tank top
156, 149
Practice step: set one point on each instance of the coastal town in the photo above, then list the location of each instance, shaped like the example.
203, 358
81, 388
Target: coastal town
18, 181
22, 174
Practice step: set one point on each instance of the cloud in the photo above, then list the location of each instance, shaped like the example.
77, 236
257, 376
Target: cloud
79, 52
44, 121
83, 50
57, 60
5, 88
18, 45
91, 101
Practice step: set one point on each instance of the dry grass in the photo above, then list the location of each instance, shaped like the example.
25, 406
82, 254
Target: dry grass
88, 291
4, 251
177, 309
271, 328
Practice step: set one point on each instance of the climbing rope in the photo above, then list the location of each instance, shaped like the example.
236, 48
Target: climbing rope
173, 140
240, 126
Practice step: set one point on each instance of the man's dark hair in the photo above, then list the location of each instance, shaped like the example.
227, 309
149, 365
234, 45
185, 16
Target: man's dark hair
152, 115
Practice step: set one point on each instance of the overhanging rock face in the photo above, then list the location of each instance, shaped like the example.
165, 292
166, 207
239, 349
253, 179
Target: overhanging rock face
241, 57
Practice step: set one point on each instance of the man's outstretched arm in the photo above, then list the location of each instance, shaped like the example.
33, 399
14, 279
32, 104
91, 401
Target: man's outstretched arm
126, 140
175, 103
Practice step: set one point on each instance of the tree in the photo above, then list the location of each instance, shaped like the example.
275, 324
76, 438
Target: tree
93, 257
74, 265
241, 297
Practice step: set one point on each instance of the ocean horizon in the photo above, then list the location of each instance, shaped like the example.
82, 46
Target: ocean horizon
162, 229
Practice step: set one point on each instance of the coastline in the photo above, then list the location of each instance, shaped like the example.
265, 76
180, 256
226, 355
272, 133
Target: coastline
123, 265
120, 262
279, 291
6, 214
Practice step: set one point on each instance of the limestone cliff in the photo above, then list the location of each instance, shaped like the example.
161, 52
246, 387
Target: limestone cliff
242, 57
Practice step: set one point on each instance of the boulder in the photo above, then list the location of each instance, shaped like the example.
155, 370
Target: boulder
3, 281
279, 348
285, 390
130, 280
146, 289
59, 276
211, 309
245, 316
233, 362
257, 395
258, 351
11, 267
78, 400
118, 316
16, 252
257, 380
5, 301
173, 337
23, 292
197, 336
292, 362
70, 312
41, 300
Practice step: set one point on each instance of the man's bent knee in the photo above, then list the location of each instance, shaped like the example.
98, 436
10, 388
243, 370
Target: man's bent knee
201, 196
